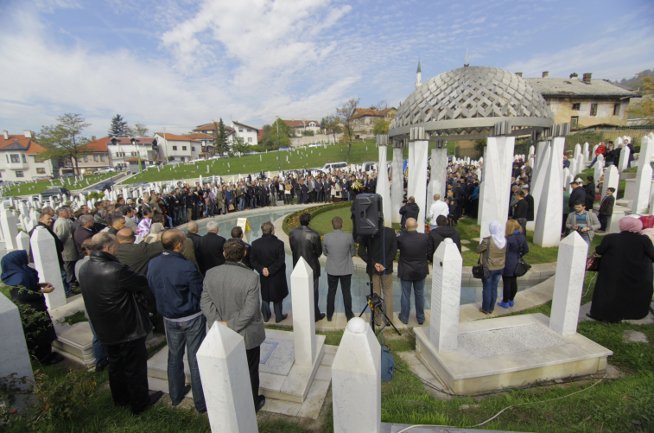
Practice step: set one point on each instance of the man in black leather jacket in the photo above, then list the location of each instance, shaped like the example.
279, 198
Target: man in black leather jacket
112, 296
306, 243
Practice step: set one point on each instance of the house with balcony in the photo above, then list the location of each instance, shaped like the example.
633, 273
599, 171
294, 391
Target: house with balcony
584, 102
303, 127
22, 159
125, 151
363, 119
183, 148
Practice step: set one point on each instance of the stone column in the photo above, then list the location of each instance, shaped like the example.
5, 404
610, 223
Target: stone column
14, 356
643, 177
9, 224
624, 159
445, 297
538, 180
568, 284
46, 263
438, 170
356, 380
397, 184
611, 179
304, 325
227, 391
383, 186
547, 231
419, 174
494, 205
411, 179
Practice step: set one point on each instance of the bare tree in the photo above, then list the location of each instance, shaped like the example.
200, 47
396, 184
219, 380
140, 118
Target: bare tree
344, 114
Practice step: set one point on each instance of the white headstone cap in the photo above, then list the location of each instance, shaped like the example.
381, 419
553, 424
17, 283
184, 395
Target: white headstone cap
448, 241
357, 325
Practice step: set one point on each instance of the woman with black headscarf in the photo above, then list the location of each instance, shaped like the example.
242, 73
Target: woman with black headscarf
27, 293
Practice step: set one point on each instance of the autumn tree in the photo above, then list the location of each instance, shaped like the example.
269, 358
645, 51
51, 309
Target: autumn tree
644, 108
276, 135
138, 130
344, 114
64, 139
380, 127
331, 125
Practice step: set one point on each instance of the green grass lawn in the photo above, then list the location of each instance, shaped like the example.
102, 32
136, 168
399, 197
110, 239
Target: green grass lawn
40, 186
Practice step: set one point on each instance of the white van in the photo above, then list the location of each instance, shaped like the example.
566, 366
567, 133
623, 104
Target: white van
334, 166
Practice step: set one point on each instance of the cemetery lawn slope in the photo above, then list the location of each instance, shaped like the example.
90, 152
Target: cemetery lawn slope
31, 188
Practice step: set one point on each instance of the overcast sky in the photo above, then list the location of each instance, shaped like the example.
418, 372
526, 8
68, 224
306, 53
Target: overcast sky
175, 64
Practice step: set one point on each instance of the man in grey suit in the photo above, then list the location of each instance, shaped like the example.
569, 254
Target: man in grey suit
339, 249
231, 296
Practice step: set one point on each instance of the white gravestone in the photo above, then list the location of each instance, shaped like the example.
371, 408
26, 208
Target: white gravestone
14, 356
598, 168
23, 242
46, 263
580, 164
586, 151
304, 325
383, 187
397, 185
494, 202
640, 203
9, 228
438, 175
611, 179
568, 284
577, 150
547, 230
224, 371
445, 297
356, 380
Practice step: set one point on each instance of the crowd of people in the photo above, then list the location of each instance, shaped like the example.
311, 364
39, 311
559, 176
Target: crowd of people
137, 272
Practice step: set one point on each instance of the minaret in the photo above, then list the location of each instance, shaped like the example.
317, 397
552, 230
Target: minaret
418, 75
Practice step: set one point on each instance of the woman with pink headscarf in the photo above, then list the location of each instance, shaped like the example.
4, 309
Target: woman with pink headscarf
624, 281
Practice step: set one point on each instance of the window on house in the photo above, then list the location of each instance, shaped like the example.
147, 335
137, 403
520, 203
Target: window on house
95, 158
7, 156
193, 149
574, 122
135, 154
240, 129
19, 173
101, 157
174, 147
40, 170
593, 109
183, 147
576, 106
616, 109
86, 158
23, 158
15, 158
249, 139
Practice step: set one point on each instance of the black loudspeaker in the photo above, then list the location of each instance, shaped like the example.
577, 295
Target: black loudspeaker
367, 214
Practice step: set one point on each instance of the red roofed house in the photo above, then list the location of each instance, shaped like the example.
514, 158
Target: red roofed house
22, 158
93, 156
183, 148
299, 127
363, 119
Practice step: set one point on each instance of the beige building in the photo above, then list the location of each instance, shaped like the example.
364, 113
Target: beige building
584, 102
22, 159
363, 120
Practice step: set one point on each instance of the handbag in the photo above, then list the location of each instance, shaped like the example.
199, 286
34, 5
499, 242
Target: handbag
521, 268
478, 269
593, 263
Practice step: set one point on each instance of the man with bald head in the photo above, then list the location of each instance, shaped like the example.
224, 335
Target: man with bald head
177, 286
192, 234
412, 269
135, 256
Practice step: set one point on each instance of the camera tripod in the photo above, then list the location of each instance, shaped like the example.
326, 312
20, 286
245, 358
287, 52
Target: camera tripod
376, 303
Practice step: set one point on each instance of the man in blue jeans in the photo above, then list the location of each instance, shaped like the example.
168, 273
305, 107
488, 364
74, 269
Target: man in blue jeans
177, 286
412, 269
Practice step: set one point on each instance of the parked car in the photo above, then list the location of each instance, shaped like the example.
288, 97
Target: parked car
334, 166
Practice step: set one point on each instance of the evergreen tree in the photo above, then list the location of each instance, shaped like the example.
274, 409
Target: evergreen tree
119, 127
220, 139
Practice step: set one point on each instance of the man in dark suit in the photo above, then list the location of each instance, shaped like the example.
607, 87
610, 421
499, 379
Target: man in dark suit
578, 194
606, 208
409, 210
267, 257
211, 248
305, 243
530, 202
521, 210
412, 270
192, 234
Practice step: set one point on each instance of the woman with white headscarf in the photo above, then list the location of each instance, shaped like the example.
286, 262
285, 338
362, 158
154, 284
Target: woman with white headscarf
624, 280
492, 250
